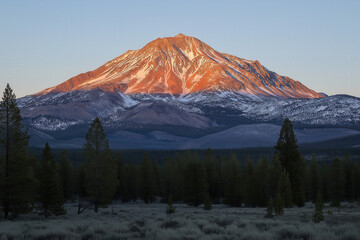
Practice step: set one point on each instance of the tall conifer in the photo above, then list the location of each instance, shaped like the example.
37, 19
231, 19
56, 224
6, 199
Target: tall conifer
121, 172
147, 180
195, 184
66, 174
291, 161
319, 205
100, 171
51, 194
213, 175
262, 179
17, 182
312, 180
250, 183
337, 183
284, 189
172, 180
232, 181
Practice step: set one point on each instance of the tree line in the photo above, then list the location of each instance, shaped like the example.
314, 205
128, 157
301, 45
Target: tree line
27, 183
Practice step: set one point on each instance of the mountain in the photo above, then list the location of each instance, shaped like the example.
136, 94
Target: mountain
178, 92
182, 65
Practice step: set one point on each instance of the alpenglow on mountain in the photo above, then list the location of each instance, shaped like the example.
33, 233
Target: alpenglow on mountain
178, 92
184, 65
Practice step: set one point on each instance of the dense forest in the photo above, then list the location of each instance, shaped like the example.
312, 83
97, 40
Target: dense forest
283, 180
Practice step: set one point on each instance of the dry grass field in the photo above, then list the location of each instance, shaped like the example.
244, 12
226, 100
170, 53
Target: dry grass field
142, 221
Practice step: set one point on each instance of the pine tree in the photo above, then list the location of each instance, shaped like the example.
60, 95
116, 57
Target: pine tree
262, 180
284, 189
270, 209
357, 183
213, 175
250, 183
17, 181
157, 179
291, 161
195, 184
131, 183
120, 176
312, 180
325, 181
279, 205
66, 175
218, 190
51, 194
171, 180
319, 205
170, 209
207, 203
337, 182
350, 169
275, 171
232, 181
100, 171
147, 180
80, 179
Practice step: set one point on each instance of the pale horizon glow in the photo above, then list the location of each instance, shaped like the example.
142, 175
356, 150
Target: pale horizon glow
44, 43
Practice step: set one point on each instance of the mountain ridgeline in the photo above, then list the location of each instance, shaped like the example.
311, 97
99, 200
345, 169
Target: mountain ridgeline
178, 92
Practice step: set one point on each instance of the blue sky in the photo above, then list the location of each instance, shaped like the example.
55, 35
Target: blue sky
43, 43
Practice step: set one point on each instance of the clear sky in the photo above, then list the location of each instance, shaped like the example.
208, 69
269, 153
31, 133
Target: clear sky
43, 43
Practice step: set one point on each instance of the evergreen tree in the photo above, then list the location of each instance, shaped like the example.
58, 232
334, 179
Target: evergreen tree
232, 181
66, 175
284, 189
213, 175
270, 209
131, 183
350, 169
121, 177
291, 161
17, 181
171, 180
357, 183
218, 192
312, 180
147, 180
157, 179
207, 203
79, 175
195, 185
275, 171
250, 183
50, 192
325, 181
262, 180
170, 209
100, 171
279, 205
319, 205
337, 184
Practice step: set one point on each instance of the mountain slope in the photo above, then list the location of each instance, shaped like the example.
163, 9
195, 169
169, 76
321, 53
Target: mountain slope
179, 92
183, 65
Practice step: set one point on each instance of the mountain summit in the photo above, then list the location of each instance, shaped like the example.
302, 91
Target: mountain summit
178, 92
182, 65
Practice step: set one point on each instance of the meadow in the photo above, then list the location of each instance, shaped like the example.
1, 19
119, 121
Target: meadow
149, 221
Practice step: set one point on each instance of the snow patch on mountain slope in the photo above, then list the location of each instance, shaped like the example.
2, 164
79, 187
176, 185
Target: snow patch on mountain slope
85, 105
128, 101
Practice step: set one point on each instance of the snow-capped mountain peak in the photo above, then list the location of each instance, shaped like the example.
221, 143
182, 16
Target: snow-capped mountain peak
182, 65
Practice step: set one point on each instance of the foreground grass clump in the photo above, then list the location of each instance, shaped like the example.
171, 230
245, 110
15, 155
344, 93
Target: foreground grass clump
144, 221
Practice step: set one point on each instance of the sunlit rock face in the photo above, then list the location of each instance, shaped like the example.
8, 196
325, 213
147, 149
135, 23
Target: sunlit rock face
182, 65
